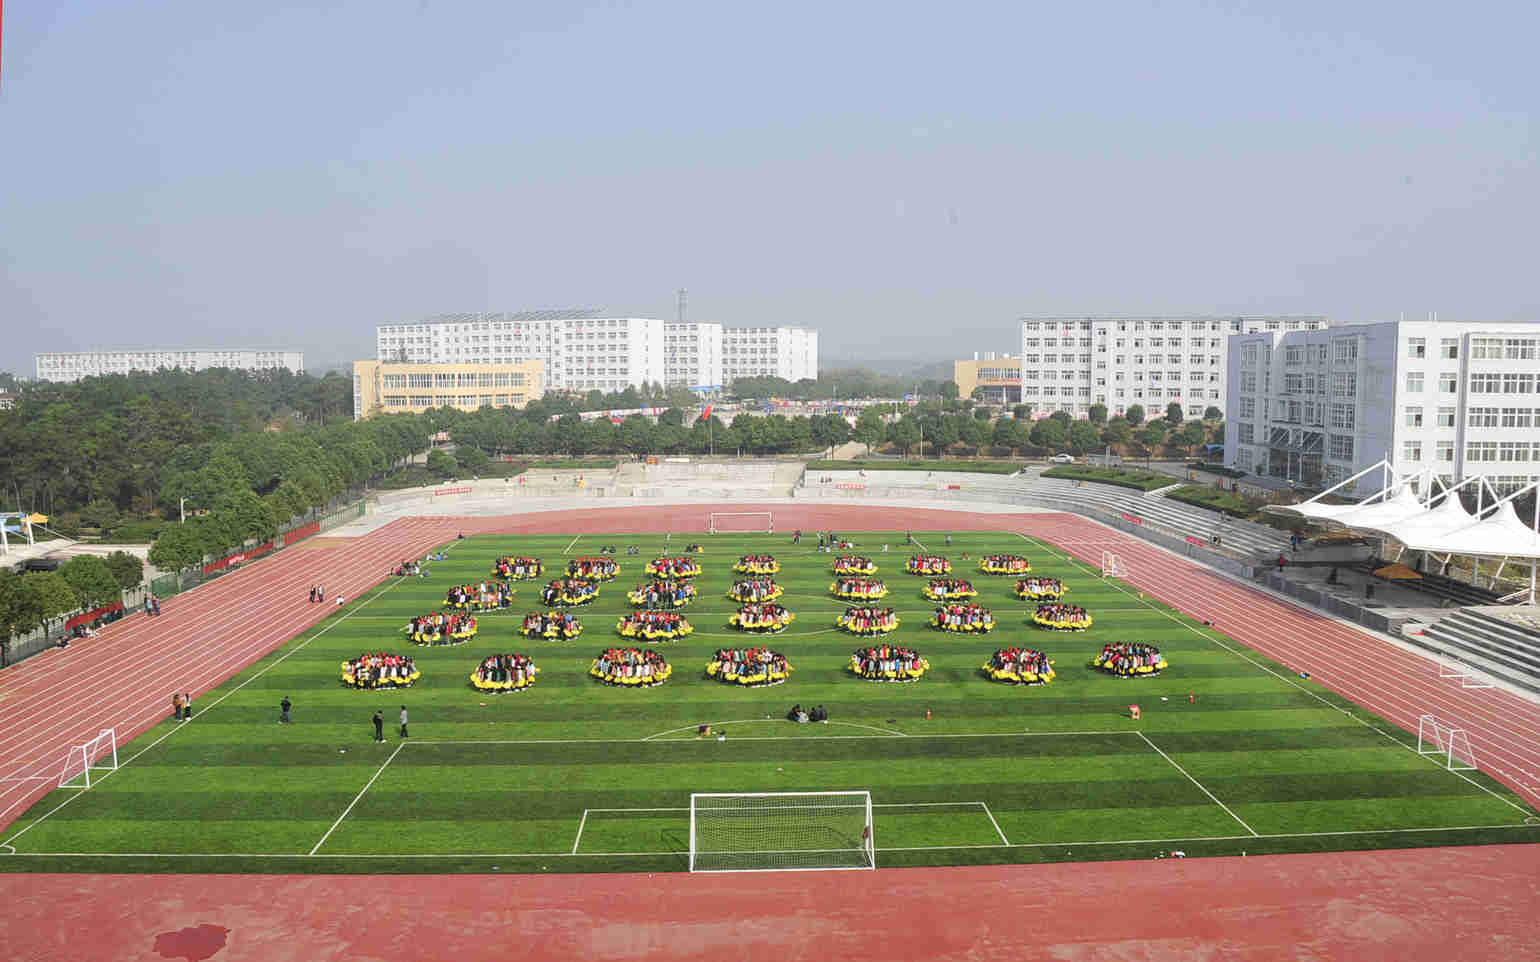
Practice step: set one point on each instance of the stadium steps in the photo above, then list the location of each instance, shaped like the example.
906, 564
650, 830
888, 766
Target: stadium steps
1188, 519
1501, 648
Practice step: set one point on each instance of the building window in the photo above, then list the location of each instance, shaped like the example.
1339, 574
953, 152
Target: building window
1449, 348
1444, 451
1411, 450
1481, 418
1513, 451
1519, 348
1414, 382
1518, 384
1345, 350
1344, 385
1417, 347
1248, 407
1486, 348
1446, 417
1481, 451
1448, 382
1517, 417
1342, 416
1413, 417
1340, 447
1485, 383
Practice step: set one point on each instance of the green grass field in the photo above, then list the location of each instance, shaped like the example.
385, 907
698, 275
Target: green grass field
1262, 761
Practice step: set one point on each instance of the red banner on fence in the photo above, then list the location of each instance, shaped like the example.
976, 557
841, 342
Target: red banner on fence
850, 486
86, 617
1132, 518
954, 487
238, 558
443, 491
302, 532
1197, 541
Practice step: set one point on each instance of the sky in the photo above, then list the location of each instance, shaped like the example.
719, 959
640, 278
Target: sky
909, 179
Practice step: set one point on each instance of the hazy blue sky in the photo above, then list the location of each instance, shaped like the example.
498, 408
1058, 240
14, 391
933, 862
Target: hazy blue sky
906, 178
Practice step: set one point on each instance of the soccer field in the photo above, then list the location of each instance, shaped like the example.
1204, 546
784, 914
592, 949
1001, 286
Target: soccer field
575, 775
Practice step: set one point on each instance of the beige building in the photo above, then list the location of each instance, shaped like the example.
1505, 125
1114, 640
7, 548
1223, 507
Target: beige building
999, 376
388, 387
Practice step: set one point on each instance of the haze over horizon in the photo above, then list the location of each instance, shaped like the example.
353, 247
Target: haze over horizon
907, 180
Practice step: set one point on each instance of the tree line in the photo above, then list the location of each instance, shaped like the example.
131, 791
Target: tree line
34, 599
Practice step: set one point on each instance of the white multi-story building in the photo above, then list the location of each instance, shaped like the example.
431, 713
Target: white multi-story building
74, 365
1070, 363
784, 352
582, 350
1316, 407
692, 355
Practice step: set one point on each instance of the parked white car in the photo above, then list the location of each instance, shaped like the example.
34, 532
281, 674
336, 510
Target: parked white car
1063, 459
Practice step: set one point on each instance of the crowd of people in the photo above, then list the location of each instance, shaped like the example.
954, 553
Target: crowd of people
755, 590
569, 591
1130, 659
949, 589
409, 569
653, 625
593, 569
858, 589
380, 670
848, 564
1040, 589
503, 673
867, 621
888, 663
768, 617
676, 567
757, 564
662, 593
751, 667
551, 625
1061, 617
968, 618
1020, 666
518, 569
631, 667
441, 629
928, 564
486, 596
1004, 564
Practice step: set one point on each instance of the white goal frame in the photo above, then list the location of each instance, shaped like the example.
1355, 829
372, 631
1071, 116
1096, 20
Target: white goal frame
86, 757
1112, 565
859, 802
714, 520
1454, 668
1447, 743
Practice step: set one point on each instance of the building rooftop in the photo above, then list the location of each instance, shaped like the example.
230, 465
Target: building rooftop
561, 314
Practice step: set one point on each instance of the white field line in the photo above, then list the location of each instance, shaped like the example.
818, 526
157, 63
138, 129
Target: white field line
1205, 791
995, 823
1261, 667
378, 772
579, 839
362, 605
568, 548
750, 738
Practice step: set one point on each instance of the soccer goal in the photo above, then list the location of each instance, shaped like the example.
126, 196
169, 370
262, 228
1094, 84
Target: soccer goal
781, 831
1445, 742
1112, 565
100, 754
743, 522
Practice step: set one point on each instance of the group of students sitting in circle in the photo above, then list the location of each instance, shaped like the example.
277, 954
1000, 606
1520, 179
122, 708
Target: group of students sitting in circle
858, 589
928, 564
1061, 617
969, 619
848, 564
653, 625
1130, 659
750, 667
569, 591
1040, 589
757, 564
518, 569
949, 589
888, 663
663, 593
593, 569
754, 590
1004, 564
441, 629
768, 617
504, 673
486, 596
867, 621
677, 567
551, 625
1020, 666
380, 670
631, 667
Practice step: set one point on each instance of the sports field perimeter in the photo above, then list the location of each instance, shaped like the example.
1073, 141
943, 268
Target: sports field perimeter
574, 775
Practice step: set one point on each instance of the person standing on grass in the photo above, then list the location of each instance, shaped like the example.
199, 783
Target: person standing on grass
379, 726
186, 706
403, 721
176, 705
283, 710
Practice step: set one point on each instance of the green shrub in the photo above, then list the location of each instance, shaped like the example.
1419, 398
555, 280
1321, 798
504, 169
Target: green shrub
1138, 480
977, 467
1231, 504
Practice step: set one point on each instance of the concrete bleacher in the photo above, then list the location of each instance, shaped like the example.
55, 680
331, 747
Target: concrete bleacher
1497, 641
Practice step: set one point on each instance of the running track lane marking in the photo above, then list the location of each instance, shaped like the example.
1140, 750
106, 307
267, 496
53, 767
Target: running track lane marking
361, 606
1205, 791
380, 771
1242, 655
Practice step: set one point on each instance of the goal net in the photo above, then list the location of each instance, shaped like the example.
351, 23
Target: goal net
100, 754
1112, 565
777, 831
1450, 745
743, 522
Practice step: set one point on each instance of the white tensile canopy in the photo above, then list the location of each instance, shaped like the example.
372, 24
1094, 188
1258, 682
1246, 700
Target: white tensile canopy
1400, 506
1501, 535
1449, 516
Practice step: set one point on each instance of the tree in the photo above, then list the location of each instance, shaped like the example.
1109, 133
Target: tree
943, 432
635, 434
673, 416
949, 390
1117, 431
906, 433
1048, 433
1212, 413
1082, 437
440, 464
870, 429
1098, 413
126, 569
984, 412
1022, 412
1063, 417
1135, 414
1174, 413
1192, 434
973, 432
1153, 435
1009, 433
472, 459
179, 546
91, 580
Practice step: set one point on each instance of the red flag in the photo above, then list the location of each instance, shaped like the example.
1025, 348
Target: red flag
705, 414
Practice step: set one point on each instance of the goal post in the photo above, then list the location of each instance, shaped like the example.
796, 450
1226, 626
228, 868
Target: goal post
781, 831
1450, 745
100, 754
740, 522
1112, 565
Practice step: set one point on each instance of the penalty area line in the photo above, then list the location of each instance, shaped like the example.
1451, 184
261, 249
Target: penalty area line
360, 795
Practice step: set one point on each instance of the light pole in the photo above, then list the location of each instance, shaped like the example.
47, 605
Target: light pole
182, 508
